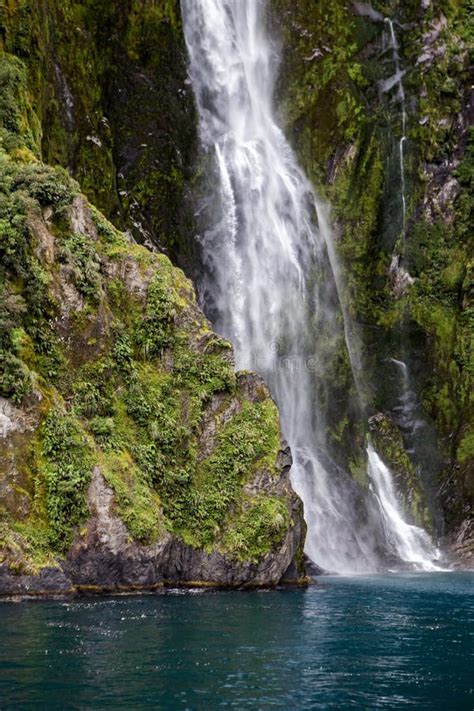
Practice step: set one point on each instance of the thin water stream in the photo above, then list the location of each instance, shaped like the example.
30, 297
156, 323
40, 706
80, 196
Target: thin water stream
396, 80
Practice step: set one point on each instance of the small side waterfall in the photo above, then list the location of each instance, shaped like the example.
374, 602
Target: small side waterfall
410, 543
271, 282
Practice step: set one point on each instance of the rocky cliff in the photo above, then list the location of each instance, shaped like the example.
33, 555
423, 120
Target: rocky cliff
102, 90
131, 453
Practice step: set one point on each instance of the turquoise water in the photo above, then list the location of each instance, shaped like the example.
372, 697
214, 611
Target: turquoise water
391, 642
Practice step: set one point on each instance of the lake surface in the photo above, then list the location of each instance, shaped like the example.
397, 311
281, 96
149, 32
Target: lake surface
401, 641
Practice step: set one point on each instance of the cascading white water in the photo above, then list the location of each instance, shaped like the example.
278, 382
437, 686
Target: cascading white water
271, 283
411, 543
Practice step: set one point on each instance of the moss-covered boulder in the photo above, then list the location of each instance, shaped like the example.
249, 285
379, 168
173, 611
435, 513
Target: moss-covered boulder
131, 453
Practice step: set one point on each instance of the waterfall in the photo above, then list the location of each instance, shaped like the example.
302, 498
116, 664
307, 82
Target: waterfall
410, 543
271, 283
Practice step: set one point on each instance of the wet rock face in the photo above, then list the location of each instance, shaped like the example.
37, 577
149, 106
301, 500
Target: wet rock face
388, 441
461, 544
125, 126
105, 557
50, 582
128, 133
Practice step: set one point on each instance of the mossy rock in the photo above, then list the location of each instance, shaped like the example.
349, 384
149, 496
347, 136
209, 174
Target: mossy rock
106, 354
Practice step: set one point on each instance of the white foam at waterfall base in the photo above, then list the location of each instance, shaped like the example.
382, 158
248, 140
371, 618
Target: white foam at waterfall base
271, 279
410, 543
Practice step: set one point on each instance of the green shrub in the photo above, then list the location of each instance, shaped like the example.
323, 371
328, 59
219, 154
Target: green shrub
122, 353
13, 233
155, 332
68, 464
258, 528
94, 391
104, 431
199, 503
79, 253
49, 186
15, 377
206, 373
